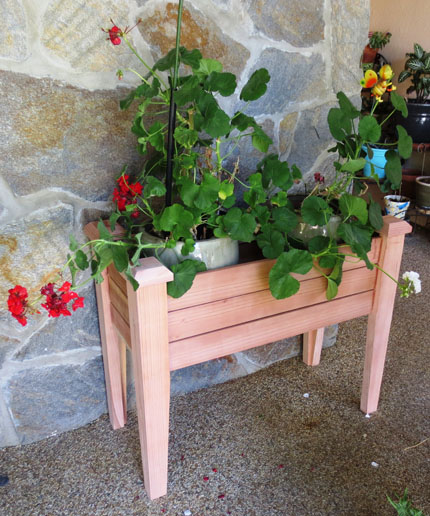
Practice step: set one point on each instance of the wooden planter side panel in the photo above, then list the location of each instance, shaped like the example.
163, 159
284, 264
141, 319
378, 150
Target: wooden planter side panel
215, 315
233, 339
246, 278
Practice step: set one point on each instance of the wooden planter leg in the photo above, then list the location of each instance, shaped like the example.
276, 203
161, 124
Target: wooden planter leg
379, 321
150, 351
116, 395
312, 345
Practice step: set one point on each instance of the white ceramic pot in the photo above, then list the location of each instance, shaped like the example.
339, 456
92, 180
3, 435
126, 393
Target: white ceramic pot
214, 252
396, 205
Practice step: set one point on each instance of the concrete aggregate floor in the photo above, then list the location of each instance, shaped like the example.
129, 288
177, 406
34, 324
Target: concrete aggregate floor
266, 449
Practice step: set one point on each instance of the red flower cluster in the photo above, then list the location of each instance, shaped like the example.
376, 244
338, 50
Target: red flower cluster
319, 178
17, 303
114, 33
126, 193
56, 302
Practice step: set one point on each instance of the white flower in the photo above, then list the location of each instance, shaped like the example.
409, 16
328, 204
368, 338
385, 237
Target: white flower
413, 280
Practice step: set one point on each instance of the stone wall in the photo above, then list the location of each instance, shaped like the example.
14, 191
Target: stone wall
64, 140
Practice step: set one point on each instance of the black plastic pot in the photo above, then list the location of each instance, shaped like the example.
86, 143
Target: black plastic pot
423, 191
417, 123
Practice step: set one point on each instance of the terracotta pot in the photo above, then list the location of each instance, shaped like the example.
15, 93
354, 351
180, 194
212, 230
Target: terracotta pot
369, 54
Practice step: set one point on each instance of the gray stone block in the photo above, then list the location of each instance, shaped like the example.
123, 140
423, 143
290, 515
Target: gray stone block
274, 20
294, 78
50, 400
7, 345
14, 30
80, 330
311, 137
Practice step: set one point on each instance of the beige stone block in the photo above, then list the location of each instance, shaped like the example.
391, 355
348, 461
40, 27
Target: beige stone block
159, 30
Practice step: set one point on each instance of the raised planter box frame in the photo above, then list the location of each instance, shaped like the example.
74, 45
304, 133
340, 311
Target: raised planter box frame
226, 311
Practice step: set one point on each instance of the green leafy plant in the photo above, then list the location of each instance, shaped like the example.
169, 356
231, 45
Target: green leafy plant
379, 39
417, 68
187, 191
404, 506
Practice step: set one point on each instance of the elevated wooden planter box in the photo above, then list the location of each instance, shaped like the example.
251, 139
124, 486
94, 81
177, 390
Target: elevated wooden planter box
226, 311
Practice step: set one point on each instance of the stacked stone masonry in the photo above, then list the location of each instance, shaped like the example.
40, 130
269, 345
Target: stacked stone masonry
64, 141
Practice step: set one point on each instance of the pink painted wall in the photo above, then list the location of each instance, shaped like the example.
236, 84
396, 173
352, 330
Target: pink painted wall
409, 23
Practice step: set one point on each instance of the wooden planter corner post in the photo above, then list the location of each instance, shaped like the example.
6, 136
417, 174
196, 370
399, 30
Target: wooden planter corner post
229, 310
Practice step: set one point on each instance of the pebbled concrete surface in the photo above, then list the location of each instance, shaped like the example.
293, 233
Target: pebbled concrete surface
275, 451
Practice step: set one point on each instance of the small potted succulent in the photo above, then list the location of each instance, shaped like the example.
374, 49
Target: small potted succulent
417, 69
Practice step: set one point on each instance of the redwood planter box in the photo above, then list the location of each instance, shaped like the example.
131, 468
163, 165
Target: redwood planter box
226, 311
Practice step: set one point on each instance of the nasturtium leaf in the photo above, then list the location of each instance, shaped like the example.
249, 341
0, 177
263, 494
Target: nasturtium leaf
296, 173
242, 121
207, 66
375, 216
186, 137
318, 244
358, 237
104, 233
327, 261
281, 283
369, 129
404, 145
188, 246
270, 241
216, 122
260, 140
188, 92
256, 194
226, 189
339, 124
262, 214
240, 226
184, 274
256, 85
223, 82
284, 219
120, 257
156, 135
347, 107
332, 289
353, 165
353, 206
153, 188
316, 211
280, 199
113, 219
393, 169
81, 260
190, 57
399, 102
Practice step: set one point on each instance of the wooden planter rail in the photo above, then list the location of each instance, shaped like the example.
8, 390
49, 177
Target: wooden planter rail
229, 310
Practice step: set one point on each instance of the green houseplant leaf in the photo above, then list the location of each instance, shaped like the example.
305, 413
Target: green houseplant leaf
184, 274
281, 283
256, 85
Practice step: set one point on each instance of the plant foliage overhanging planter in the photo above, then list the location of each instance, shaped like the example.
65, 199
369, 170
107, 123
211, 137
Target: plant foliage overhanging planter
226, 311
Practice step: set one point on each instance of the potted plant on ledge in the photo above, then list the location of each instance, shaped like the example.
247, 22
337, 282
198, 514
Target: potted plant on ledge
417, 68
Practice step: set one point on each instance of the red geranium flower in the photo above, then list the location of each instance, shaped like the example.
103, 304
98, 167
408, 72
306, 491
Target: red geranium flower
114, 35
17, 303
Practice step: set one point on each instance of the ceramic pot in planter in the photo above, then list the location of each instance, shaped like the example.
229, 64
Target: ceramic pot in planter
213, 252
304, 232
378, 161
396, 205
422, 185
417, 123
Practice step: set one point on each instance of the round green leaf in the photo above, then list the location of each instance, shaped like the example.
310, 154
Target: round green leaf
256, 85
316, 211
369, 129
